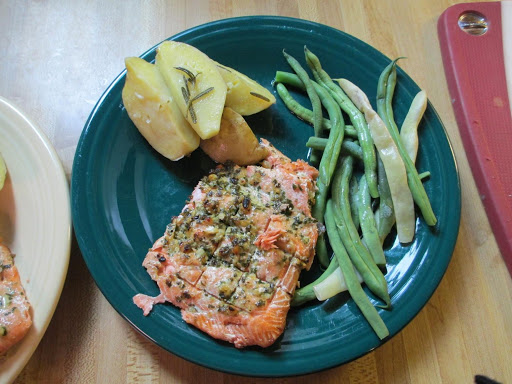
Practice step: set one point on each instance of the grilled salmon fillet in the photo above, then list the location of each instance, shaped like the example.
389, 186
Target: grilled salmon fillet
232, 258
15, 319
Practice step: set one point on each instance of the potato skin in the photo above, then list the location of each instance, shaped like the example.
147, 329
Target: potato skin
244, 95
235, 142
151, 108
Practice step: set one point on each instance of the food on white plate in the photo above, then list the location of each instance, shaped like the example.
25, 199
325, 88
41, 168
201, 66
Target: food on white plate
15, 318
232, 258
235, 142
196, 85
152, 109
244, 95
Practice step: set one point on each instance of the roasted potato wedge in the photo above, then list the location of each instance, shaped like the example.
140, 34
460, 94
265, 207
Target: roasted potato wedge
244, 95
150, 105
235, 142
195, 83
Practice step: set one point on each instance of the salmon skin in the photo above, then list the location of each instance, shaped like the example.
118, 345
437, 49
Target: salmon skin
231, 260
15, 318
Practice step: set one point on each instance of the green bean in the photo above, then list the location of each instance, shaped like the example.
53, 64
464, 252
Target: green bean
348, 147
350, 131
368, 225
326, 168
385, 214
356, 117
385, 91
424, 175
354, 200
290, 79
409, 128
313, 96
359, 255
354, 287
294, 81
316, 143
306, 293
297, 109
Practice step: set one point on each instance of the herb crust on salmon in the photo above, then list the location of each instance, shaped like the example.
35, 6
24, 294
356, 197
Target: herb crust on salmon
232, 258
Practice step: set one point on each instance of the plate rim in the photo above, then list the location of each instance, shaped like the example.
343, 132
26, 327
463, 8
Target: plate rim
302, 22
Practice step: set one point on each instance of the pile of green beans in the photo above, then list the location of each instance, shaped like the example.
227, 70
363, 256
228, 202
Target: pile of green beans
335, 147
345, 203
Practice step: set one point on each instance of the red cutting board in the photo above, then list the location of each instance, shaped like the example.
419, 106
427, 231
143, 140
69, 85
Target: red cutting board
476, 67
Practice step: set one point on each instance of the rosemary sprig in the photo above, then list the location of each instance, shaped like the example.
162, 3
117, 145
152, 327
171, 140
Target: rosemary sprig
195, 98
259, 96
185, 91
186, 86
190, 107
222, 67
201, 94
192, 112
185, 94
189, 73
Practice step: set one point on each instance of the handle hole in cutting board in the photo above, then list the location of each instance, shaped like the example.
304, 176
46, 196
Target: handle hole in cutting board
473, 23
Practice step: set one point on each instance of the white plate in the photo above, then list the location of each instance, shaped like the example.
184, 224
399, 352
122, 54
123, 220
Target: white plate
35, 222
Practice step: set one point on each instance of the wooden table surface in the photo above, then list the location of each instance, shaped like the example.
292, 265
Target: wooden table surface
57, 57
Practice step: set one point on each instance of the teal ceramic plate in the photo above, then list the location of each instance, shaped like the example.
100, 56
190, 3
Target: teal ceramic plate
124, 194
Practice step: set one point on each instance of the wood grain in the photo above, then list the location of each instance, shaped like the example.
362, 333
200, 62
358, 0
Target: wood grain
57, 59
